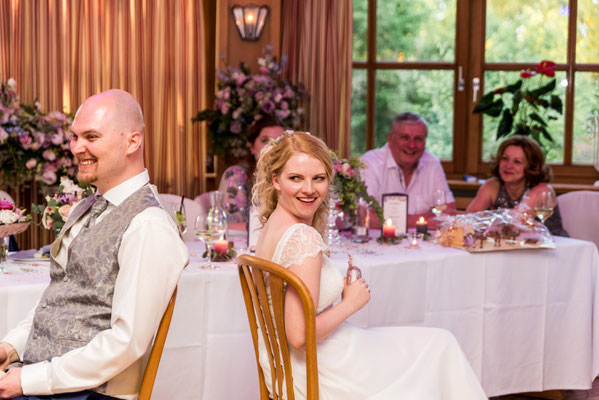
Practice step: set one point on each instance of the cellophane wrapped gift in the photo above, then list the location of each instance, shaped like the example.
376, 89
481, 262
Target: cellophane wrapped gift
491, 230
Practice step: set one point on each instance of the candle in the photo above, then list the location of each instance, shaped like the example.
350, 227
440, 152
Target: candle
414, 242
221, 246
421, 226
388, 229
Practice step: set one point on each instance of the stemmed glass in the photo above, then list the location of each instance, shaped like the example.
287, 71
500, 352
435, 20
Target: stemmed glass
439, 202
210, 228
543, 204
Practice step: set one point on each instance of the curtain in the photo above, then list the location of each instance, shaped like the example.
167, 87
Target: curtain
317, 40
63, 51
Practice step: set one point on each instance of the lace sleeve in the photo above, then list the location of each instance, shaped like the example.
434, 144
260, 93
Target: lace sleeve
303, 242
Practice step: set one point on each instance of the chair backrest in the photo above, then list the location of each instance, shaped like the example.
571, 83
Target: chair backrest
580, 214
192, 210
147, 382
204, 200
256, 275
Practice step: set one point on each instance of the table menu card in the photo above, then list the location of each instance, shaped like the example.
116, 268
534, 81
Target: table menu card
395, 208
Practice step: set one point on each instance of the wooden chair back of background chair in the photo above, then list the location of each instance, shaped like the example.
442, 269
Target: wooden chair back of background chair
256, 275
147, 382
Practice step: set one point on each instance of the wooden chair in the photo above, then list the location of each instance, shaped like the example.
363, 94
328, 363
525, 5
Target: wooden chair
253, 272
147, 382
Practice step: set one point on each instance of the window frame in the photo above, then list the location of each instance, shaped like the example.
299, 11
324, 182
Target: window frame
470, 57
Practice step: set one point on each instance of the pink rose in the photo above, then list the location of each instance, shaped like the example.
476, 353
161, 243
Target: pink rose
6, 205
31, 163
49, 177
49, 155
64, 211
3, 134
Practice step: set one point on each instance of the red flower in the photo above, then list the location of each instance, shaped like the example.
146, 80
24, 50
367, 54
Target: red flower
529, 99
546, 68
6, 205
527, 73
499, 91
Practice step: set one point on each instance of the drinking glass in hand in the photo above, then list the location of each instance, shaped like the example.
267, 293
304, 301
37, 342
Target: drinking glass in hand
439, 202
543, 205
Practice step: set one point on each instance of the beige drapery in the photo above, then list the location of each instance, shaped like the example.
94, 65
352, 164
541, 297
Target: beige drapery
317, 38
63, 51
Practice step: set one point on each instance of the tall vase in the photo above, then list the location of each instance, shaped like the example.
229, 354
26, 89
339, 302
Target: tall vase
331, 233
361, 221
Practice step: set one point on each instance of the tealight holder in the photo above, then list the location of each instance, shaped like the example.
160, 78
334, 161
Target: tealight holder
415, 240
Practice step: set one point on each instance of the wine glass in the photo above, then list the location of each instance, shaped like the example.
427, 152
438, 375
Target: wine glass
543, 204
439, 202
210, 228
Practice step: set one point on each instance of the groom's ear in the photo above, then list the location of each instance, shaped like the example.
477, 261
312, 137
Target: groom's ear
275, 182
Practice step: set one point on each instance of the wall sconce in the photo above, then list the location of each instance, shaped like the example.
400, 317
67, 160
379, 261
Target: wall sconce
249, 20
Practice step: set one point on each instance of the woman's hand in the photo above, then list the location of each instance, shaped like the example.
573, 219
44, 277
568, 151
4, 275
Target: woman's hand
357, 294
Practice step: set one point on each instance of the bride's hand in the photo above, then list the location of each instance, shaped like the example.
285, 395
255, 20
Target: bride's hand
356, 293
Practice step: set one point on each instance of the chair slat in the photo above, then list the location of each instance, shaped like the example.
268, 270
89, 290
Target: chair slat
259, 277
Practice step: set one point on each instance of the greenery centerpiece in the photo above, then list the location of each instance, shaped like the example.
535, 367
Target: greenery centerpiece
33, 144
348, 186
529, 104
243, 97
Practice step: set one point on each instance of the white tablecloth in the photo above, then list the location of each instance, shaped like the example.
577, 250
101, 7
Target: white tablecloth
526, 319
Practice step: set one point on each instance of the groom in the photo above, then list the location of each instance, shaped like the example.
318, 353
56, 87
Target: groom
114, 267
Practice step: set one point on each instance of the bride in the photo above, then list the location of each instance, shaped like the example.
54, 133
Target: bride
291, 194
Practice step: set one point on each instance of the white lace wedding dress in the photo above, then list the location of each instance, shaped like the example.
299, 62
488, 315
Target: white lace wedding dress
380, 363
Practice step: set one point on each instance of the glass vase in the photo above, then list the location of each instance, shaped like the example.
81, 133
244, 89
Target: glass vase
361, 221
331, 233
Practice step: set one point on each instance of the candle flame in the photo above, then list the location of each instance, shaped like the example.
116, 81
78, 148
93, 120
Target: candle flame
388, 222
421, 220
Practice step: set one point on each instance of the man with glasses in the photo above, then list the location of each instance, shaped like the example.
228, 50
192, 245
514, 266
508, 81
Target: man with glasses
403, 165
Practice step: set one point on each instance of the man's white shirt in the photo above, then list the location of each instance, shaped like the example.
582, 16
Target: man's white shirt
383, 175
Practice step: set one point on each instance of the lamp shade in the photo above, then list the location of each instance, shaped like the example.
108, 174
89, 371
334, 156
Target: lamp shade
249, 20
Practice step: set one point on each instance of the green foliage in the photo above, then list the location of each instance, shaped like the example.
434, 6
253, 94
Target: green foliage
531, 106
349, 186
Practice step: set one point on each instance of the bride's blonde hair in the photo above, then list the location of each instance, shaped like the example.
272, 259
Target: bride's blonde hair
271, 163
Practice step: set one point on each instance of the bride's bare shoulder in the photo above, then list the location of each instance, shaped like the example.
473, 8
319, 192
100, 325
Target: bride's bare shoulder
271, 234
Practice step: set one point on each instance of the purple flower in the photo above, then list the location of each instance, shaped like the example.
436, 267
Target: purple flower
56, 139
224, 108
264, 70
235, 127
258, 96
284, 105
268, 107
282, 114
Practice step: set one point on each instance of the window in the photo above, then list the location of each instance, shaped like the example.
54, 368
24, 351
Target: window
423, 56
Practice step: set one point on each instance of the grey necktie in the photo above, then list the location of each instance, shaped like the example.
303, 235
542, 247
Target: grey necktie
97, 209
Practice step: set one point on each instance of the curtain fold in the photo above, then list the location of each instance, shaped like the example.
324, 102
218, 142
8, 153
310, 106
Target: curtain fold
63, 51
317, 39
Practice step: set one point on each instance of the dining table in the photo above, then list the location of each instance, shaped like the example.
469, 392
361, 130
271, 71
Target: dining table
526, 319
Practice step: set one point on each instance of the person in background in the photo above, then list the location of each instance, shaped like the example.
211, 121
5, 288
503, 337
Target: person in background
113, 269
237, 180
519, 174
403, 165
291, 194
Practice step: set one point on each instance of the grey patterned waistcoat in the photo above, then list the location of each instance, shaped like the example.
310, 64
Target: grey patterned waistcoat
77, 304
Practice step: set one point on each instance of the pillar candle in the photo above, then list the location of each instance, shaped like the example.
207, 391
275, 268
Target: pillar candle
421, 226
388, 229
221, 246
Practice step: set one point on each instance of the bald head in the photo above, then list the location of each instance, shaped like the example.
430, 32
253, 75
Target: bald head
108, 139
118, 108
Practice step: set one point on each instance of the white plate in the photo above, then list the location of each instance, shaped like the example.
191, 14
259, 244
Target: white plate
30, 260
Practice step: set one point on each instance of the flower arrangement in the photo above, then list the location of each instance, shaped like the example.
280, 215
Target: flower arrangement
33, 144
348, 186
243, 98
9, 214
56, 211
532, 104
